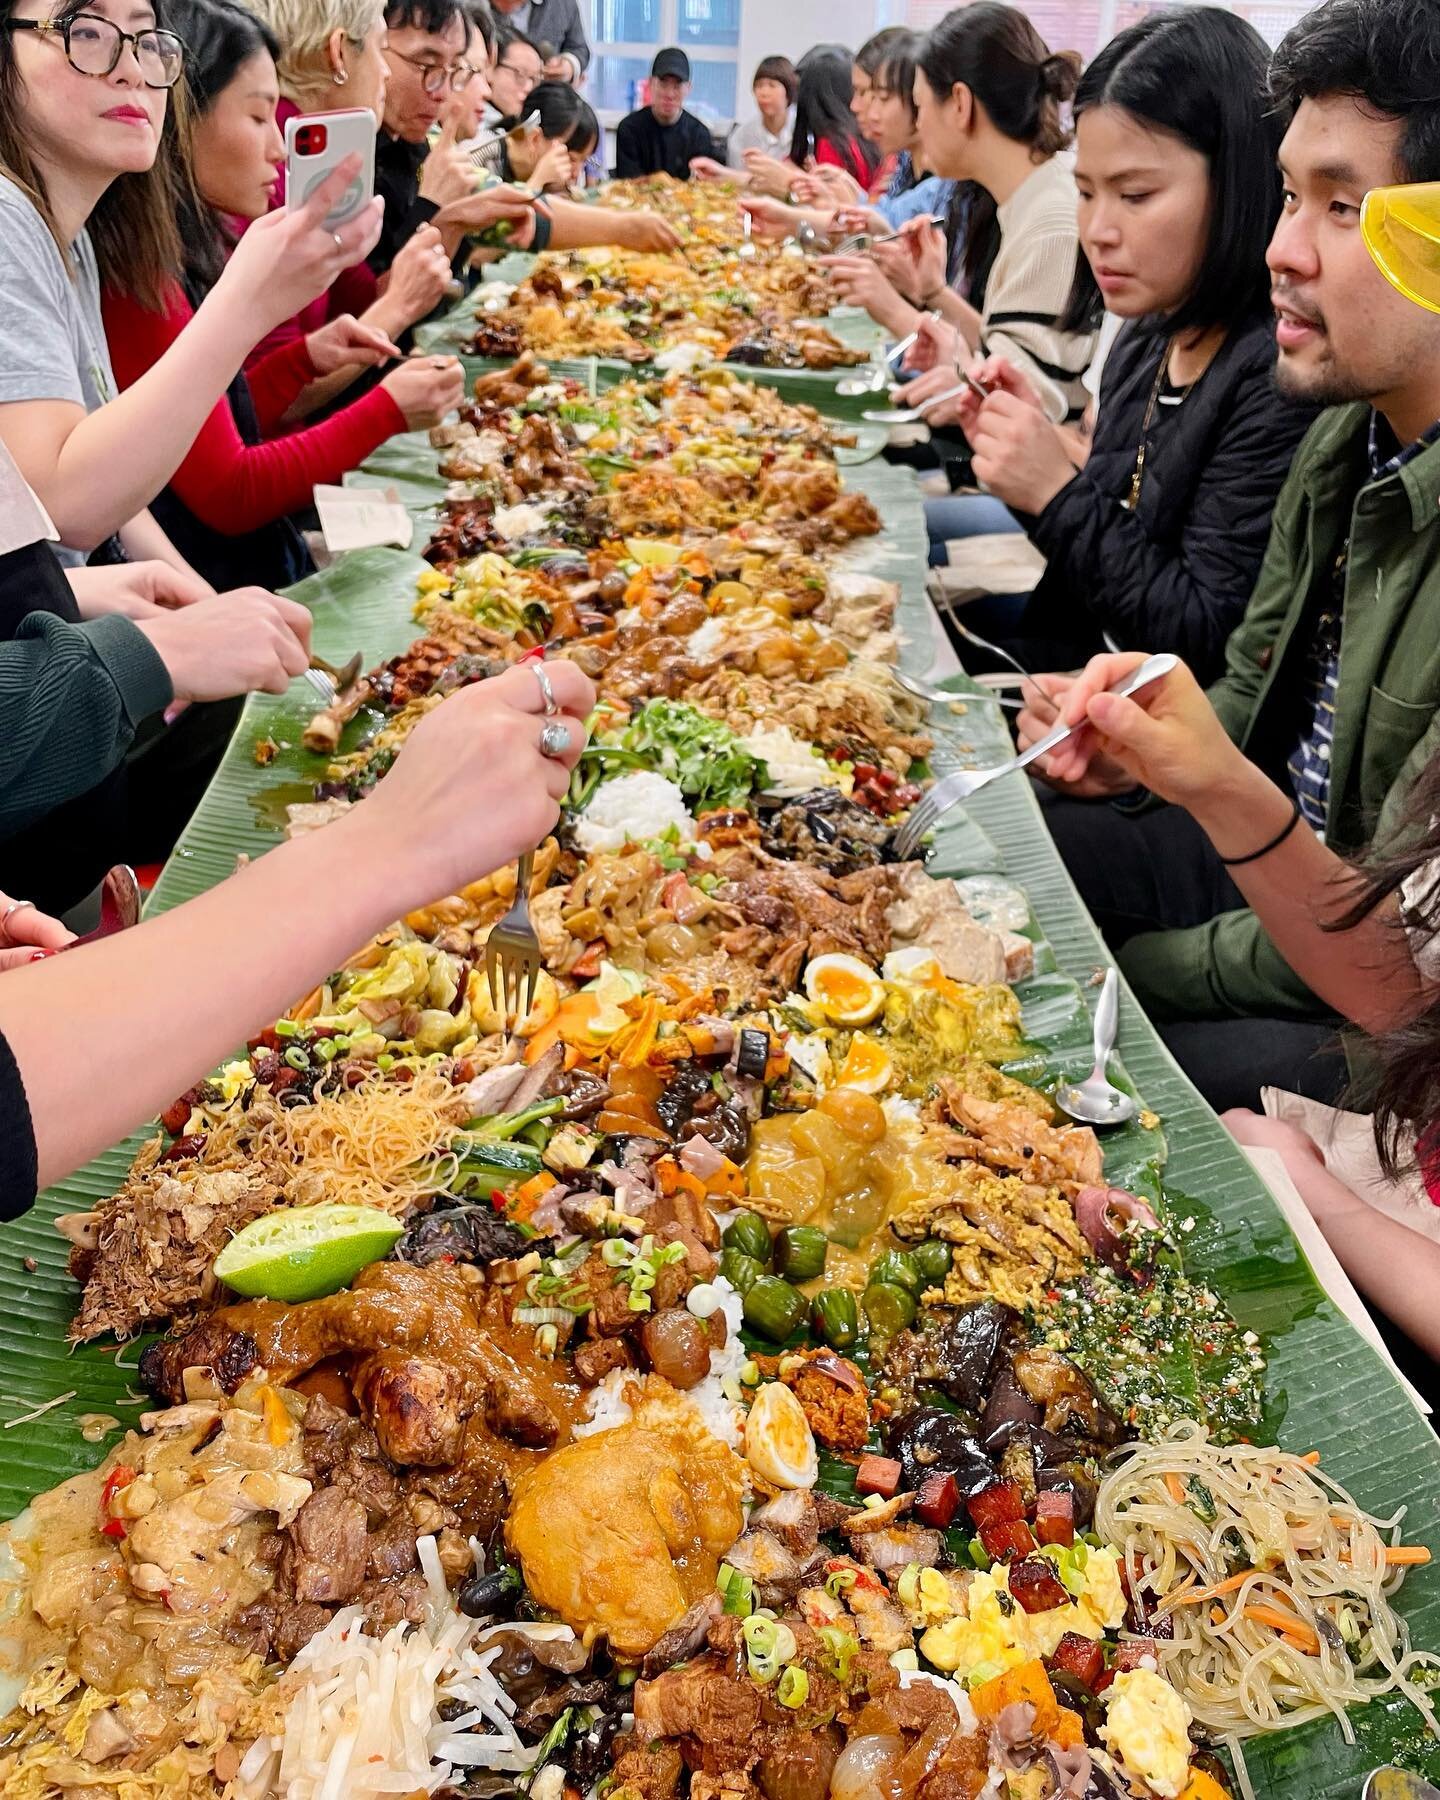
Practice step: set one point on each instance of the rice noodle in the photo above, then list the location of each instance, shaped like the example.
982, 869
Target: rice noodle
382, 1144
1304, 1548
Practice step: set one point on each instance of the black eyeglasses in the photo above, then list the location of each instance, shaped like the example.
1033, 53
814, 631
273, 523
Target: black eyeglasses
436, 77
93, 46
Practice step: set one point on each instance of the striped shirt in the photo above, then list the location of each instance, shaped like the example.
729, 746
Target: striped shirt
1029, 288
1309, 764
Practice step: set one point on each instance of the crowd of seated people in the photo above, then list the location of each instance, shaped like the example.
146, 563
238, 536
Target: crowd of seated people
1180, 377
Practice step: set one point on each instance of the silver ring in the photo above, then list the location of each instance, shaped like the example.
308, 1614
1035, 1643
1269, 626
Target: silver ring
547, 692
20, 905
554, 740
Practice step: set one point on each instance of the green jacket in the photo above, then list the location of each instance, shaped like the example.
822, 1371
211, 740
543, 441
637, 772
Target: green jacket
1387, 709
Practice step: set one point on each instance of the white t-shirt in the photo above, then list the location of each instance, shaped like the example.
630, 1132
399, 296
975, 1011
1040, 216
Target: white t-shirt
52, 337
754, 135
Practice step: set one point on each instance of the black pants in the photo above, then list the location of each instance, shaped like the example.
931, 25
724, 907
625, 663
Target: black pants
1156, 870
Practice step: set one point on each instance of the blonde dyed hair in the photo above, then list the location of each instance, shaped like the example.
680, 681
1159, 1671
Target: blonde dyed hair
304, 28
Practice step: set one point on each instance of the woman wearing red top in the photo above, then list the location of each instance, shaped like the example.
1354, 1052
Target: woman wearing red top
825, 126
227, 504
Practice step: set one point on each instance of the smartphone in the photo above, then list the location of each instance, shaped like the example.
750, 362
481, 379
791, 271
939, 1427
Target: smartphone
315, 143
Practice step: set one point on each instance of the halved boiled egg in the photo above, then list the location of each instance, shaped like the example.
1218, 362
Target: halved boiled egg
779, 1445
866, 1067
844, 988
916, 966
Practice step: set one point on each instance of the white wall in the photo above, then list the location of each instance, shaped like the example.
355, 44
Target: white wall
790, 27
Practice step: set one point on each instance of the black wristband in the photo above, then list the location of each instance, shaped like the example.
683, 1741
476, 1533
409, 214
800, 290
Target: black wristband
1236, 862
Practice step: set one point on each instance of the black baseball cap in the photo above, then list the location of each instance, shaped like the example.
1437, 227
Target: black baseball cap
670, 62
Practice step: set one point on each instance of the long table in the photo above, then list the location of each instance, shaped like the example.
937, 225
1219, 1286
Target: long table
1328, 1390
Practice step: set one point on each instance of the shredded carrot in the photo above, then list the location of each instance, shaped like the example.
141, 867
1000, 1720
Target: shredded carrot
1228, 1586
1312, 1457
1177, 1493
1294, 1630
1399, 1556
1218, 1615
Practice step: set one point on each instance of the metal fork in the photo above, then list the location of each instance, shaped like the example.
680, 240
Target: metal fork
951, 612
512, 952
965, 782
328, 681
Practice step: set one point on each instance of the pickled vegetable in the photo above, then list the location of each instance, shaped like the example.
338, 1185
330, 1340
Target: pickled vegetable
888, 1308
835, 1317
740, 1270
748, 1233
899, 1268
774, 1308
800, 1252
932, 1258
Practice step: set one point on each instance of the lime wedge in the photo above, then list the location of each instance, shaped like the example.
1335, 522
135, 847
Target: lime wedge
303, 1252
653, 553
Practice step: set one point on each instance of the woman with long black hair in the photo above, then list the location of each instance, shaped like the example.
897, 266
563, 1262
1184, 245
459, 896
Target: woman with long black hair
1155, 527
826, 129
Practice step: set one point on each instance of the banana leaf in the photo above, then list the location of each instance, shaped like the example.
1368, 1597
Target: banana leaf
1327, 1390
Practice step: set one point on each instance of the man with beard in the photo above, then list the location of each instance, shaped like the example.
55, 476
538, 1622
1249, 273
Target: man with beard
1332, 684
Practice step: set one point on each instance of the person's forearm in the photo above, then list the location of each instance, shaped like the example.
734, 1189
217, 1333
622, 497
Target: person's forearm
145, 540
1395, 1268
575, 226
116, 459
332, 890
957, 312
1299, 888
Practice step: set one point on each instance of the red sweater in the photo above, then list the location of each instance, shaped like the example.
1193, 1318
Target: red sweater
229, 485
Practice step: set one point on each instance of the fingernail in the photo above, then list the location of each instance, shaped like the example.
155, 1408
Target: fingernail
40, 955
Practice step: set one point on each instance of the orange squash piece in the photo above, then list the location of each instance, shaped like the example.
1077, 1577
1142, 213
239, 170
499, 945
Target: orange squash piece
1028, 1682
1203, 1787
1069, 1734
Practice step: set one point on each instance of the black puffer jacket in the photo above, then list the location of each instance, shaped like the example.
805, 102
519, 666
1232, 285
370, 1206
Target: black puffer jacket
1177, 573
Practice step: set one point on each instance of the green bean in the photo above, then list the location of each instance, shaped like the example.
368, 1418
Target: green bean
888, 1308
835, 1317
740, 1270
774, 1308
749, 1233
800, 1252
900, 1269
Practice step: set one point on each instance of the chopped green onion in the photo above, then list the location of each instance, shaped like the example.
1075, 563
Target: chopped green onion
737, 1591
286, 1028
769, 1645
907, 1589
979, 1555
840, 1650
839, 1582
547, 1340
324, 1049
297, 1058
795, 1687
616, 1252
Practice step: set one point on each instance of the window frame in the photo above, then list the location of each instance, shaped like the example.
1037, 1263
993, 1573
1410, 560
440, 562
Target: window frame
669, 33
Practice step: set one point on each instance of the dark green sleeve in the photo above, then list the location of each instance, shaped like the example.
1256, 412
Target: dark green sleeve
71, 697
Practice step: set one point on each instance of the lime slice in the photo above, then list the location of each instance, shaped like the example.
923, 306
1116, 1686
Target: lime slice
653, 553
303, 1252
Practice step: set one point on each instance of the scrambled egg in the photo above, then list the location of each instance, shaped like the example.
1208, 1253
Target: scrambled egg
1147, 1727
992, 1632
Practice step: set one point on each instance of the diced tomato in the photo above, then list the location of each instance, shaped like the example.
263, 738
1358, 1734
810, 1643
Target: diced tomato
1079, 1656
588, 966
937, 1500
1133, 1652
1103, 1680
878, 1475
997, 1504
119, 1477
1054, 1516
1009, 1538
886, 779
865, 771
1036, 1586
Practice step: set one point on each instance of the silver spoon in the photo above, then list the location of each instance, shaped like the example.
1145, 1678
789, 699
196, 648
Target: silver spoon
879, 379
911, 415
1096, 1100
938, 696
747, 236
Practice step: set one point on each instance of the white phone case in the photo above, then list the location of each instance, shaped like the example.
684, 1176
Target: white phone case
344, 132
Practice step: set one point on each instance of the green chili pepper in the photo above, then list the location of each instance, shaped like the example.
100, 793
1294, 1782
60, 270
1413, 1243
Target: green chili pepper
794, 1687
740, 1270
888, 1308
748, 1233
774, 1308
835, 1317
900, 1269
932, 1258
800, 1252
